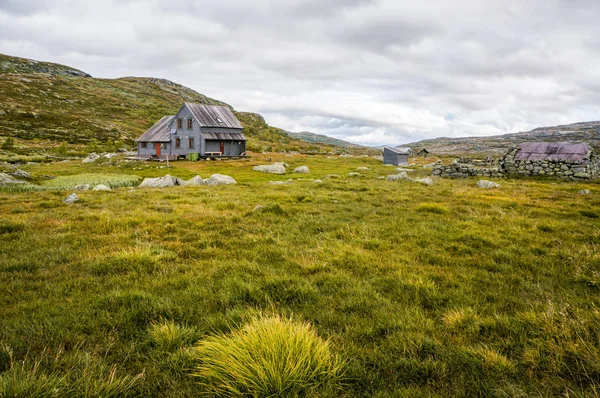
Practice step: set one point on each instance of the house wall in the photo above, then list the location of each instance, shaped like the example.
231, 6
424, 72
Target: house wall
231, 148
151, 149
567, 168
184, 134
390, 157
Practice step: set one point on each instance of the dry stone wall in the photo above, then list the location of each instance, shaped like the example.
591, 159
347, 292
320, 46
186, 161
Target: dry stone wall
462, 168
571, 169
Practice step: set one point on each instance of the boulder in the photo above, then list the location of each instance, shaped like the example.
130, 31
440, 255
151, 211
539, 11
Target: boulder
397, 177
161, 182
584, 192
20, 174
302, 170
7, 179
487, 184
82, 187
92, 157
197, 180
424, 181
258, 207
353, 174
275, 168
109, 155
101, 187
72, 198
318, 181
333, 176
403, 169
279, 182
220, 179
363, 168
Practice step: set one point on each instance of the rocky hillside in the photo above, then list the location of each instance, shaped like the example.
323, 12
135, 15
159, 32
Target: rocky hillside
319, 138
43, 104
588, 132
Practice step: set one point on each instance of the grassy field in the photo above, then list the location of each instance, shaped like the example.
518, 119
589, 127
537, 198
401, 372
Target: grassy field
444, 290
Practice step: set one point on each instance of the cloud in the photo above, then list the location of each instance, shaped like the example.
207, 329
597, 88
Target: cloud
369, 71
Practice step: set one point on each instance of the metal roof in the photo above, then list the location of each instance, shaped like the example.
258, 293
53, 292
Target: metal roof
213, 116
224, 136
400, 150
159, 132
552, 151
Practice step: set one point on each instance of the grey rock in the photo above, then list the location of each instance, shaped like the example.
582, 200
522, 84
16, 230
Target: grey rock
92, 157
161, 182
275, 168
220, 179
402, 176
302, 170
363, 168
403, 169
82, 187
72, 198
581, 175
195, 181
20, 174
101, 187
279, 182
318, 181
424, 181
7, 179
258, 207
584, 192
354, 174
333, 176
486, 184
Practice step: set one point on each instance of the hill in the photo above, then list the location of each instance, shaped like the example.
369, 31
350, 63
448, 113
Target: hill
44, 104
320, 138
577, 132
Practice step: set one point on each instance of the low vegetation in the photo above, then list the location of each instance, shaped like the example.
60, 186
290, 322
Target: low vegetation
443, 290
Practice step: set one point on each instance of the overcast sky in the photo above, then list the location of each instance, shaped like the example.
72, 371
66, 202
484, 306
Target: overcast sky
371, 72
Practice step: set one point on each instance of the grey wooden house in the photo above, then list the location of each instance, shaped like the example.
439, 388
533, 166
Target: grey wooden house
205, 130
396, 156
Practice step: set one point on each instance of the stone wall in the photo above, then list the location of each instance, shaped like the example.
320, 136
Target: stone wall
569, 169
462, 168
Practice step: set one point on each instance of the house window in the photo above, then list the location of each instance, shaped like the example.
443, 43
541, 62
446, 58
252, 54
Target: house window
189, 124
177, 142
163, 145
178, 123
144, 145
191, 143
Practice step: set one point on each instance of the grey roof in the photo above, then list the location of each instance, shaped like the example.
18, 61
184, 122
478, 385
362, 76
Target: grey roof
213, 116
159, 132
552, 151
224, 136
400, 150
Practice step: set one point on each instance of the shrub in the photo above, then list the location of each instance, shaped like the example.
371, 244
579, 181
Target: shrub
169, 336
62, 149
8, 144
271, 356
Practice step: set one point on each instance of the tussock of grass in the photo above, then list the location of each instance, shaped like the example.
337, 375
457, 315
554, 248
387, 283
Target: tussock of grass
271, 356
169, 336
432, 208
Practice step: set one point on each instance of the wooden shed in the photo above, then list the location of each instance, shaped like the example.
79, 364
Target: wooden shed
396, 156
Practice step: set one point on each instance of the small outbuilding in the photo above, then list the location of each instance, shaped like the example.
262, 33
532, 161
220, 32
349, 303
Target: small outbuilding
423, 152
396, 156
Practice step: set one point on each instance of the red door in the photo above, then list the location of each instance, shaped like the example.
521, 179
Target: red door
157, 149
222, 147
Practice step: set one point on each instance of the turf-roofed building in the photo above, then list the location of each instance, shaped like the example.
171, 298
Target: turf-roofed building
197, 130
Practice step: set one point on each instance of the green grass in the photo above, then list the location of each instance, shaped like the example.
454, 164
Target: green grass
110, 180
496, 294
271, 356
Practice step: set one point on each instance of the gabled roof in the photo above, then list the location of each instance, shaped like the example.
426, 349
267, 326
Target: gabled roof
400, 150
159, 132
223, 136
213, 116
552, 151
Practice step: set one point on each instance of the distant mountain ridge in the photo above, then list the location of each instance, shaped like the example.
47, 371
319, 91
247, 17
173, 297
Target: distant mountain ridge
320, 138
588, 132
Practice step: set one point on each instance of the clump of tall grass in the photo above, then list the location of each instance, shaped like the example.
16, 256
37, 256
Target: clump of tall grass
110, 180
271, 356
169, 336
432, 208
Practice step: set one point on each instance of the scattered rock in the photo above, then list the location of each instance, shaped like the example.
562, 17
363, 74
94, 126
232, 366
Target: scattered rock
122, 150
92, 157
279, 182
318, 181
7, 179
220, 179
20, 174
72, 198
381, 178
398, 177
432, 165
109, 155
101, 187
82, 187
363, 168
197, 180
353, 174
275, 168
333, 176
486, 184
403, 169
161, 182
258, 207
302, 170
584, 192
424, 181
